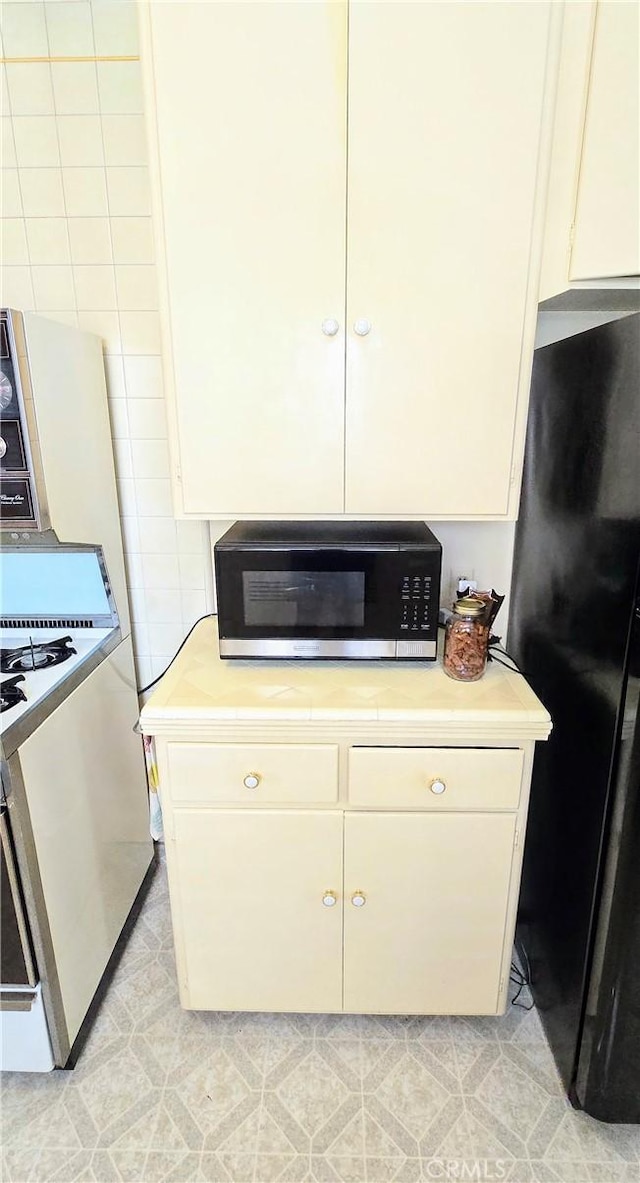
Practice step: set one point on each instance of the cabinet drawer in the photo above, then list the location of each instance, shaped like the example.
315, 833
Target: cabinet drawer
216, 773
473, 778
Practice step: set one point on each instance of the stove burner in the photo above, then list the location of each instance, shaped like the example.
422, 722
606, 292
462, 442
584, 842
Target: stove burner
36, 657
10, 693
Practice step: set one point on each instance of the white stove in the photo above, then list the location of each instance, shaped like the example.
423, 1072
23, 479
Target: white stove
23, 649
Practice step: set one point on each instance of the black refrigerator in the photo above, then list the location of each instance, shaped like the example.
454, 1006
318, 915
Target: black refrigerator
574, 629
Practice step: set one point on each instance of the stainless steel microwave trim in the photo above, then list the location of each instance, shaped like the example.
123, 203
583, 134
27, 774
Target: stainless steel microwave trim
356, 649
29, 873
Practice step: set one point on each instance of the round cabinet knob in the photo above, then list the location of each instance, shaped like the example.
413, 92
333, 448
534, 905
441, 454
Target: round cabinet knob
362, 326
329, 899
330, 327
358, 899
252, 780
437, 785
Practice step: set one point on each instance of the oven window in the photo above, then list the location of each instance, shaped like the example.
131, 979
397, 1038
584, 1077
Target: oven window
308, 599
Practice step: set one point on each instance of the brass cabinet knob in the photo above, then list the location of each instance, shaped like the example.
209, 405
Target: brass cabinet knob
329, 899
252, 780
437, 785
358, 899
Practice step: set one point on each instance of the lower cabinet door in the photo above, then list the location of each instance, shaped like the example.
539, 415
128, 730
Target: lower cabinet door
255, 928
425, 902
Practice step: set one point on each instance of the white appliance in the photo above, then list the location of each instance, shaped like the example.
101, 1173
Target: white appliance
76, 854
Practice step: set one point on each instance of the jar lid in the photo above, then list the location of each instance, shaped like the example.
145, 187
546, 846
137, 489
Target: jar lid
469, 606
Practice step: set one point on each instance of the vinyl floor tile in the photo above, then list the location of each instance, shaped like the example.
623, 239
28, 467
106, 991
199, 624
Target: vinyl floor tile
162, 1095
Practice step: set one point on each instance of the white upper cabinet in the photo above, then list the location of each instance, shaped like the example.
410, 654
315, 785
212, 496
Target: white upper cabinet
607, 222
445, 112
349, 326
592, 229
250, 108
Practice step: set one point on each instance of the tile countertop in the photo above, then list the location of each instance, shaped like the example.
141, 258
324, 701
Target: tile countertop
202, 696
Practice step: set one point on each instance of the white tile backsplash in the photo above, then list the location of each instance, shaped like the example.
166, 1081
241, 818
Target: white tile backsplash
114, 370
115, 27
78, 244
191, 572
80, 141
147, 418
14, 249
161, 571
7, 146
190, 537
30, 88
53, 288
143, 376
153, 498
140, 333
128, 189
127, 497
16, 288
158, 535
164, 639
120, 88
105, 325
163, 607
36, 141
125, 141
24, 30
90, 240
75, 88
48, 240
137, 288
151, 459
70, 28
10, 195
85, 192
95, 288
42, 194
123, 458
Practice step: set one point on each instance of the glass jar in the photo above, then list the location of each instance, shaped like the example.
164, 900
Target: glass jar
466, 641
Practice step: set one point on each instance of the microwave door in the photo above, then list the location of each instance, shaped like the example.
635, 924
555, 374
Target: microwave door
315, 601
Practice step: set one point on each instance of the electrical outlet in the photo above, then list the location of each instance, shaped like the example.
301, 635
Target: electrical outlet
466, 582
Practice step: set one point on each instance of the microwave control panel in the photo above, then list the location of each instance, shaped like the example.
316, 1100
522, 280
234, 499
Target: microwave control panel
415, 596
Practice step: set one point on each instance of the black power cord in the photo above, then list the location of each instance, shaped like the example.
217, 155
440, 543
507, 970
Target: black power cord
151, 684
522, 979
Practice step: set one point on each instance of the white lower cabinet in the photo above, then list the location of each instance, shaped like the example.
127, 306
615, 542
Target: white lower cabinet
342, 836
254, 931
429, 937
284, 910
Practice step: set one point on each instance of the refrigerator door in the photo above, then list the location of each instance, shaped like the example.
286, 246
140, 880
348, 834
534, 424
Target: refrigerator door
608, 1073
576, 558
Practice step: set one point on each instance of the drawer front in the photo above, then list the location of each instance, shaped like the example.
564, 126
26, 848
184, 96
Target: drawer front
244, 774
473, 778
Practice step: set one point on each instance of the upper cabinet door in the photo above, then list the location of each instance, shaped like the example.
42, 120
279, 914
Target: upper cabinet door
250, 155
607, 220
445, 116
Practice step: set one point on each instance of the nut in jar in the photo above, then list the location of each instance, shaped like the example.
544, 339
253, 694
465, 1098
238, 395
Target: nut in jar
466, 640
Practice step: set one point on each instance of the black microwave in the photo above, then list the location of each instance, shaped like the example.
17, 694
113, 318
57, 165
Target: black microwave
333, 590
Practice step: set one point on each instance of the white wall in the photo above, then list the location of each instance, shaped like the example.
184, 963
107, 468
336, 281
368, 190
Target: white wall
77, 247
